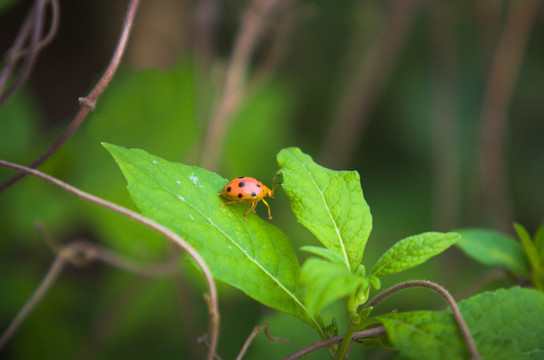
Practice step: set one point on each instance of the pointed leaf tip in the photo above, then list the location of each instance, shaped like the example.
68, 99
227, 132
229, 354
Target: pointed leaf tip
329, 203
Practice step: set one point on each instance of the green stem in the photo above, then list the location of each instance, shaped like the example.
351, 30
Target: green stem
344, 345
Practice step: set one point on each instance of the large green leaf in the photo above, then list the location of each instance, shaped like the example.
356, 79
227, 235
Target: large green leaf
515, 314
507, 324
324, 282
413, 251
329, 203
494, 249
253, 255
432, 335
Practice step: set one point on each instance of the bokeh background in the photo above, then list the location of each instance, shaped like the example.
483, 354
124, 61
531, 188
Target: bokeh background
437, 104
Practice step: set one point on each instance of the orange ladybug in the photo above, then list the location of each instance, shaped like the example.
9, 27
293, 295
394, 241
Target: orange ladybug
246, 190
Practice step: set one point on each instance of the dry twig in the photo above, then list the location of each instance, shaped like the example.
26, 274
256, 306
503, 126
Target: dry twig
30, 31
88, 102
378, 331
254, 333
254, 23
212, 298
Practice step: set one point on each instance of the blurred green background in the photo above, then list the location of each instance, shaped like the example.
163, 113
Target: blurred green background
398, 90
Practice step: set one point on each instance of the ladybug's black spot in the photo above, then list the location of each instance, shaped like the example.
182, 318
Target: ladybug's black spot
240, 177
253, 194
240, 195
229, 189
241, 184
258, 185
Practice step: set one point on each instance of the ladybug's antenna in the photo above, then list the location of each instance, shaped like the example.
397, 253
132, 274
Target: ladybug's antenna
280, 181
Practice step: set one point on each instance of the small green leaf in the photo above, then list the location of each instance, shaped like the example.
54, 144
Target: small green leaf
494, 249
253, 255
329, 203
529, 247
375, 282
324, 253
507, 324
413, 251
539, 242
324, 282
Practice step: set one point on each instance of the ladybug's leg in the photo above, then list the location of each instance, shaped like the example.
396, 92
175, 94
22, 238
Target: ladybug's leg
269, 215
245, 214
229, 202
253, 206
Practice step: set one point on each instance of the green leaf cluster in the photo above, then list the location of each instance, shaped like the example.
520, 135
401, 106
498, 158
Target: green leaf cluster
507, 324
331, 205
257, 257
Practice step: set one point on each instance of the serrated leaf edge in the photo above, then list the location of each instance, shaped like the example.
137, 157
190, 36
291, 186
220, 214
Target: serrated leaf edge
394, 258
340, 239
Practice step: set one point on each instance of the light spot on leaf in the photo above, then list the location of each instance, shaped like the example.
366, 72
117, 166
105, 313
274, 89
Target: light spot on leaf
195, 181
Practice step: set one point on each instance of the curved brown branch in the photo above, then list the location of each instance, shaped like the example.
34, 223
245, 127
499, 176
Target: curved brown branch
34, 24
79, 253
88, 102
254, 333
212, 303
18, 44
378, 331
254, 23
53, 29
46, 283
451, 301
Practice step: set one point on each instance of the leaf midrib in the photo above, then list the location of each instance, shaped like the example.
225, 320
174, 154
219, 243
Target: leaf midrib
266, 272
341, 240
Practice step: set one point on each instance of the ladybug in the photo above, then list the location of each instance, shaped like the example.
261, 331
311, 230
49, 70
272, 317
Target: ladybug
246, 190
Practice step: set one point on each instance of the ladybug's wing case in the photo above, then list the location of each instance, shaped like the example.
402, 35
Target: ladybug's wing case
244, 189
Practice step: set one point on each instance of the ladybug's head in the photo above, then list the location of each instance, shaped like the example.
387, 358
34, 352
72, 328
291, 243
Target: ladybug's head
268, 192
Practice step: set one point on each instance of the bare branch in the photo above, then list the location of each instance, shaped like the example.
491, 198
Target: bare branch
212, 303
367, 83
451, 301
46, 283
53, 29
88, 102
254, 333
500, 87
205, 341
34, 23
378, 331
254, 23
79, 253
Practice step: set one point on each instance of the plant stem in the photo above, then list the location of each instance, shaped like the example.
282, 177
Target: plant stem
346, 341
